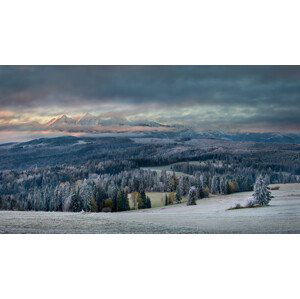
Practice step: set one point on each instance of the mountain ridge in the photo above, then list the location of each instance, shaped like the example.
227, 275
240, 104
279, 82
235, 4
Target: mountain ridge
89, 119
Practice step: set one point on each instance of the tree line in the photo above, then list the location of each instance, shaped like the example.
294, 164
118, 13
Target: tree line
107, 186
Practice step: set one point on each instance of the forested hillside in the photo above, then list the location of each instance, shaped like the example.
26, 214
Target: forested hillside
97, 174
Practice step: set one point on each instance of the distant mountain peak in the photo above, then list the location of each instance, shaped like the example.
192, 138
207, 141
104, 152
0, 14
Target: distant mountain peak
87, 115
88, 119
61, 120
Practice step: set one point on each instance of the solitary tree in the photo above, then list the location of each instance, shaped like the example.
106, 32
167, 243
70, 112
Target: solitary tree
192, 196
261, 195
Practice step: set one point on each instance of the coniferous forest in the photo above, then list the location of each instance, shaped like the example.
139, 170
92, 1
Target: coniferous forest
105, 174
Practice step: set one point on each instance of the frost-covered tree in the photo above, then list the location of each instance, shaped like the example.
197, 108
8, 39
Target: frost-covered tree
223, 185
86, 190
262, 194
184, 185
214, 185
192, 196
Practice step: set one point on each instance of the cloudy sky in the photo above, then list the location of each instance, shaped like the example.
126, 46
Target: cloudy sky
246, 98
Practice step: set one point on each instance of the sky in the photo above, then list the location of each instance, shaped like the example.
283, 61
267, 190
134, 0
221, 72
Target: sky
232, 98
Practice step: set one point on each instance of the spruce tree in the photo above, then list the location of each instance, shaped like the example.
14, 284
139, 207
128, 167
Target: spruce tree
148, 202
122, 202
139, 201
166, 200
144, 201
76, 202
261, 195
178, 196
100, 197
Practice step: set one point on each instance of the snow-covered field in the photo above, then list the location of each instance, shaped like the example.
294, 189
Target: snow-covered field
208, 216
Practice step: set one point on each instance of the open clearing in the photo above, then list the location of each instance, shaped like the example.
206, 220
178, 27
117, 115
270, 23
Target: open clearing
208, 216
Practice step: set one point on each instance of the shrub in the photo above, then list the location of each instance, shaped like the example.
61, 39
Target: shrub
232, 187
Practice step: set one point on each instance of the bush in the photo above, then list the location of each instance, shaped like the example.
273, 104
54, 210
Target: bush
106, 210
232, 187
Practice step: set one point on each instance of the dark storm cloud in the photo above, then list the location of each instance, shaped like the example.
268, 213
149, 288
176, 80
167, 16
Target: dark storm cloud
267, 88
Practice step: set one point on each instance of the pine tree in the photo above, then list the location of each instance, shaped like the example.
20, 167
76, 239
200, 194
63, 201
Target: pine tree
192, 196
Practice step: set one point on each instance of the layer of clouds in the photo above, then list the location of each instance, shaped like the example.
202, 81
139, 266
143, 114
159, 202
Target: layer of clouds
231, 96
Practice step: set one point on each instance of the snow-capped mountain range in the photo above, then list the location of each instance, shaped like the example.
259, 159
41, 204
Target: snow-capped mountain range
91, 124
89, 119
